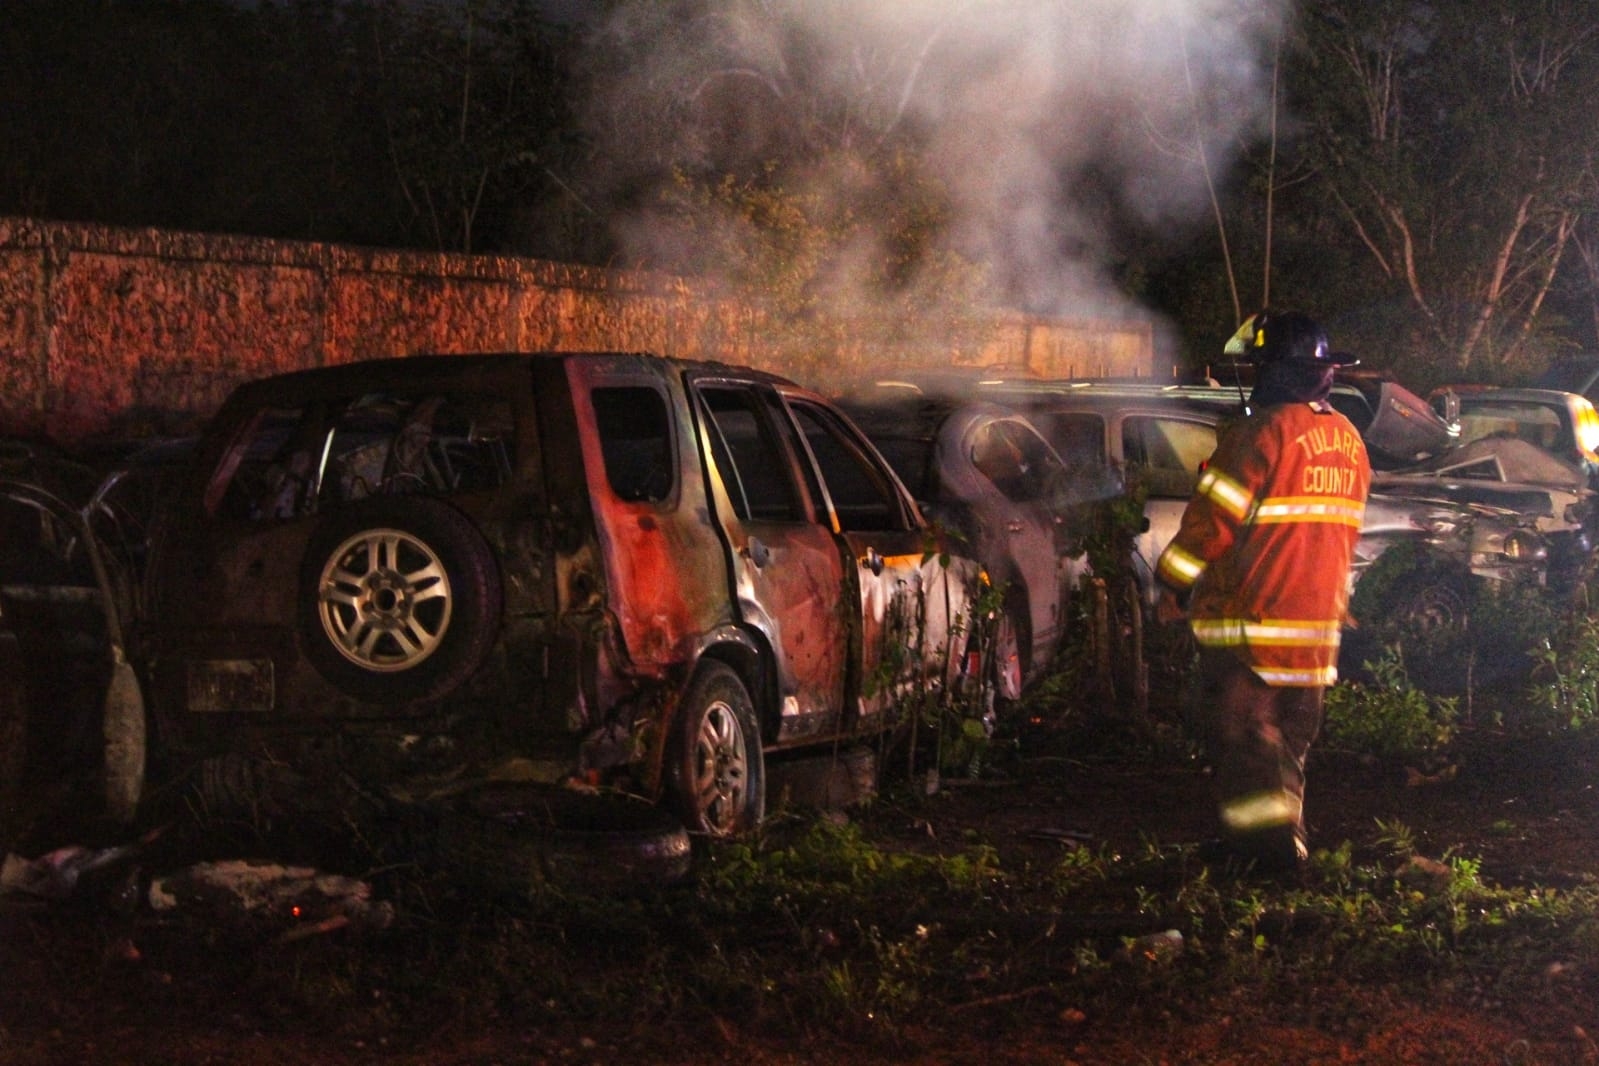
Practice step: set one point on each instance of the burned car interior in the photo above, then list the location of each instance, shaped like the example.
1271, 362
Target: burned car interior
291, 462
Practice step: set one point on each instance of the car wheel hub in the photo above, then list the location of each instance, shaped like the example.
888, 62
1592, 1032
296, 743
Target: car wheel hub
384, 600
721, 768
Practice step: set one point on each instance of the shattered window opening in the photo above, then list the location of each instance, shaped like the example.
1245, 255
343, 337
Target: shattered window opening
296, 461
1170, 451
636, 441
759, 478
861, 499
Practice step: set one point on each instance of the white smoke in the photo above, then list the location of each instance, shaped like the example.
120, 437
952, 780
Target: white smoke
1053, 124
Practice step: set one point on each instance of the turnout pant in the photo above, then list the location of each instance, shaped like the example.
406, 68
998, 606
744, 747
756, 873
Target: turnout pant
1256, 737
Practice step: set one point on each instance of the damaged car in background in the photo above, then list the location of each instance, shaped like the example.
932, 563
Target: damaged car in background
985, 473
1158, 437
439, 576
1425, 453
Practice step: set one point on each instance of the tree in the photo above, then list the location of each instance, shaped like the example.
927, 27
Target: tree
1444, 146
473, 109
741, 143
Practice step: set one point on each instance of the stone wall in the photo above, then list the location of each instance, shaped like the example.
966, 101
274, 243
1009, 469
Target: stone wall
118, 330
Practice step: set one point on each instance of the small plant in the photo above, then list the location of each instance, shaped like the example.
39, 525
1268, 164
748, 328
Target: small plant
1396, 837
1565, 679
950, 711
1389, 718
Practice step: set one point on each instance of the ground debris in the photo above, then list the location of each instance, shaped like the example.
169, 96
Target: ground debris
303, 900
56, 874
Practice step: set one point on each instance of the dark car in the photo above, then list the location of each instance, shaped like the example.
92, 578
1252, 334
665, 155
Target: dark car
612, 569
62, 662
984, 471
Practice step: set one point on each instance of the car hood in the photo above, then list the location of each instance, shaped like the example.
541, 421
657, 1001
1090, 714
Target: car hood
1505, 473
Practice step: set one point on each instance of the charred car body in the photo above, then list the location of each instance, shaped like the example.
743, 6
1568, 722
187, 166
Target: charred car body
1421, 453
985, 472
1165, 435
610, 568
1564, 424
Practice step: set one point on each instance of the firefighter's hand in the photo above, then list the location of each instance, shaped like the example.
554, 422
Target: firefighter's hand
1168, 609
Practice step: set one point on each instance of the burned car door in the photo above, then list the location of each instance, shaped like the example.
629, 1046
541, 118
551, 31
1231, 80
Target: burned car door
666, 585
913, 598
787, 570
1012, 482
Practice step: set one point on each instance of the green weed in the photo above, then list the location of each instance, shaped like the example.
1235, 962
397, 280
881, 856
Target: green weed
1388, 718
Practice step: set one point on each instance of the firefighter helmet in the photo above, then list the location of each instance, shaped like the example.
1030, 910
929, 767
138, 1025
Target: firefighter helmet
1285, 337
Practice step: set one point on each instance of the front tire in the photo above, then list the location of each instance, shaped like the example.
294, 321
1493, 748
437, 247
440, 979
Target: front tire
718, 775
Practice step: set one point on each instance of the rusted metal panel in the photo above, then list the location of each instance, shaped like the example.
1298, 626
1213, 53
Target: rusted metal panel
915, 616
665, 565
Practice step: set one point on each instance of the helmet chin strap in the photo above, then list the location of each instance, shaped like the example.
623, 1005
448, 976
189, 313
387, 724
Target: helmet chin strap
1238, 383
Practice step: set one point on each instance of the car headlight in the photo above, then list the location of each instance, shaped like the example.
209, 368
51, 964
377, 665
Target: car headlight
1525, 546
1587, 428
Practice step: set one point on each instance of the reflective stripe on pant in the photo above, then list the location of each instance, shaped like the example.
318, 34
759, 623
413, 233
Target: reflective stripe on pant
1256, 737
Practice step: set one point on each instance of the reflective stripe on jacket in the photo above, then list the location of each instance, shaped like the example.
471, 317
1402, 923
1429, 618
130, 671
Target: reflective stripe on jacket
1266, 541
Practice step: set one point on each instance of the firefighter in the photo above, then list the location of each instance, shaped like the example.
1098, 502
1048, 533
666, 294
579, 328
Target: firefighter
1260, 568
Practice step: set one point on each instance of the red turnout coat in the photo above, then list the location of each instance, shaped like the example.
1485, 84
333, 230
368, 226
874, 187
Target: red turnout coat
1266, 541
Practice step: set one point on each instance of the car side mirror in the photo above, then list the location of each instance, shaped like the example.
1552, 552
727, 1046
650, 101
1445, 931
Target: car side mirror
1451, 411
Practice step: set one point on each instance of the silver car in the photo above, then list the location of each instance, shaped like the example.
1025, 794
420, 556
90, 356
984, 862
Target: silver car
1165, 435
985, 472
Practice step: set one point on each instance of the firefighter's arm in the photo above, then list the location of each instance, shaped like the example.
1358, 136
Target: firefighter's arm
1223, 502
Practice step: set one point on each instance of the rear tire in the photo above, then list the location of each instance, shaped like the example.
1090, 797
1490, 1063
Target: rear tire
718, 775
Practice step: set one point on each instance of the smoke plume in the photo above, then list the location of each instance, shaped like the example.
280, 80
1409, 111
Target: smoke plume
1053, 131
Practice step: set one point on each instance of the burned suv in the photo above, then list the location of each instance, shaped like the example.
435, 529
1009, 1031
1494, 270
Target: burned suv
565, 567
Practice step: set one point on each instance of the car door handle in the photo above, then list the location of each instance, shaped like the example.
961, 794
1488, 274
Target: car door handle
757, 552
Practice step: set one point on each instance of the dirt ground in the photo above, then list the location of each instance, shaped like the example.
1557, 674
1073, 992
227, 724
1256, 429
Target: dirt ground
75, 993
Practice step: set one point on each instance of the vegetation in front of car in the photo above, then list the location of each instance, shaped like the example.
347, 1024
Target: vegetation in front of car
1387, 717
1564, 683
939, 728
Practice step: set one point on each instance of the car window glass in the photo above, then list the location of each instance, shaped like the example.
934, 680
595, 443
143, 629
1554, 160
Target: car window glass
636, 440
1016, 460
1078, 438
295, 461
1535, 423
1169, 451
862, 495
754, 468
